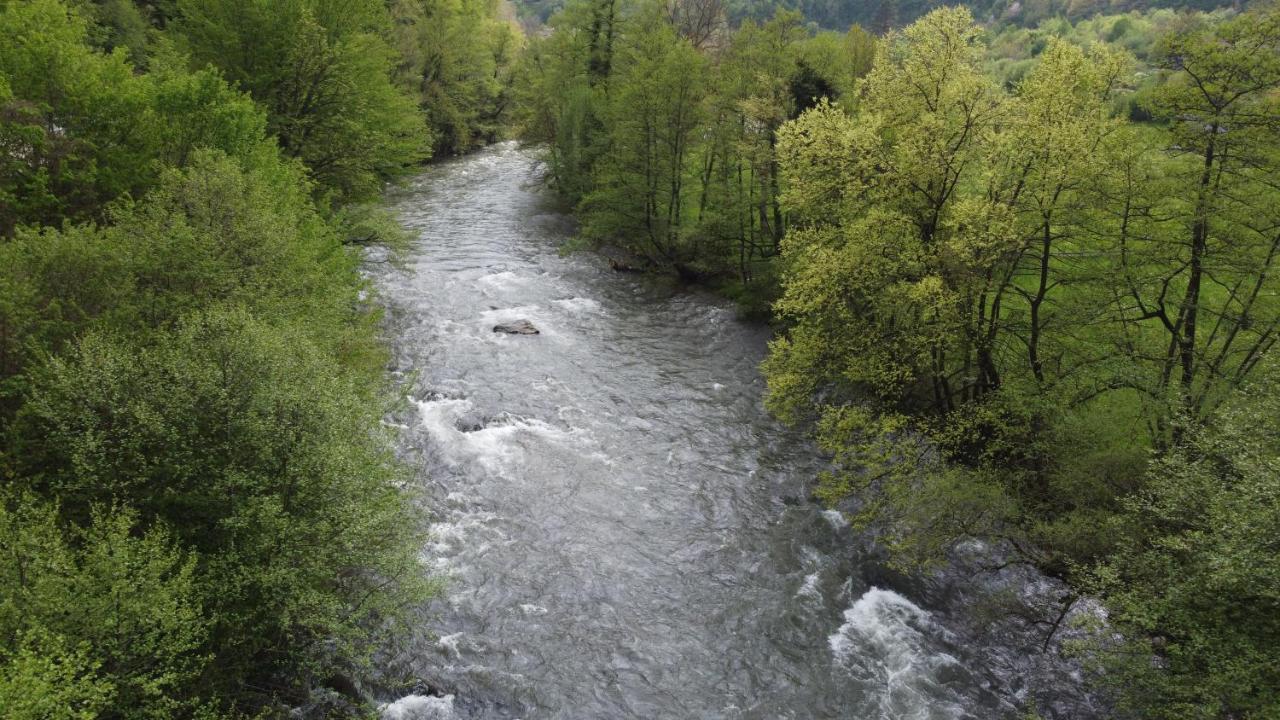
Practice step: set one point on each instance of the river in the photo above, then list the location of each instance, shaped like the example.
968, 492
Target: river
623, 531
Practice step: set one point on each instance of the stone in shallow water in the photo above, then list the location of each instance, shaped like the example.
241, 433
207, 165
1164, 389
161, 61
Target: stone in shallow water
519, 327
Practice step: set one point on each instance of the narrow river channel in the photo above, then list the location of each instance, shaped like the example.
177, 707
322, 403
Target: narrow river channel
623, 531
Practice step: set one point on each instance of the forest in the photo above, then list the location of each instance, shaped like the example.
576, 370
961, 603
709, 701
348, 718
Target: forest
201, 514
1023, 279
880, 16
1018, 258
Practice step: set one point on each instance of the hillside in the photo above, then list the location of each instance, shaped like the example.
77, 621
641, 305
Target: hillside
880, 15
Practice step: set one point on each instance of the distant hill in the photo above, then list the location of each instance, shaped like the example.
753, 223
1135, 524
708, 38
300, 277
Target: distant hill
881, 15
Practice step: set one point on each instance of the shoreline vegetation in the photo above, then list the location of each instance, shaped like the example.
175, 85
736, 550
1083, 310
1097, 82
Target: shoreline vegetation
201, 513
1022, 278
1021, 270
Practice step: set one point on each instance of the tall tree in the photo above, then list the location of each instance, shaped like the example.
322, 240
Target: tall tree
655, 104
455, 59
1197, 258
323, 70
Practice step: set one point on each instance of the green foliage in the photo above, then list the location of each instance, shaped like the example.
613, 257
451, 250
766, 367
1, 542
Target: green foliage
103, 622
201, 510
456, 58
651, 115
562, 90
198, 110
1196, 580
660, 127
84, 130
41, 678
359, 90
323, 70
249, 430
256, 449
210, 234
884, 15
117, 24
1013, 316
881, 263
76, 119
251, 438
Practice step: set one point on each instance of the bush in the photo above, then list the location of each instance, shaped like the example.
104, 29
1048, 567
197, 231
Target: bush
100, 621
256, 450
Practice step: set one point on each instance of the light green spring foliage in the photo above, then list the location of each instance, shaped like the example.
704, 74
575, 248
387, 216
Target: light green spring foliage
354, 90
879, 218
43, 678
69, 104
883, 15
202, 514
561, 86
255, 448
210, 234
359, 90
456, 58
662, 134
86, 130
1216, 304
1001, 303
117, 24
651, 113
1136, 32
103, 623
228, 388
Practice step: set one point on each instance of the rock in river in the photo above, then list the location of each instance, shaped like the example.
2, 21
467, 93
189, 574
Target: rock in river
519, 327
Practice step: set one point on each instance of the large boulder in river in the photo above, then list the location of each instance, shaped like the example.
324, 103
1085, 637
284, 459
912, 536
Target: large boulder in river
519, 327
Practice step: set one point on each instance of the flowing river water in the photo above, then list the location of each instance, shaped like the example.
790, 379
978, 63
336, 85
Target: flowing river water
622, 529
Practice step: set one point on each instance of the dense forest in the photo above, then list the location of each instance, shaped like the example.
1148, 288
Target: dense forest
1024, 280
1019, 257
201, 514
882, 15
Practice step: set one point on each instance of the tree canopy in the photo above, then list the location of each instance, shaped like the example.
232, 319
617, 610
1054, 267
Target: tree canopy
1022, 279
201, 514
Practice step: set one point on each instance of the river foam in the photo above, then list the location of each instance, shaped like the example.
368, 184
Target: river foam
418, 707
461, 436
888, 644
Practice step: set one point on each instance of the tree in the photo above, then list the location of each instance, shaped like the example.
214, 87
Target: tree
324, 72
698, 21
654, 109
117, 24
214, 233
1195, 583
81, 129
455, 57
204, 361
564, 81
255, 450
201, 509
928, 291
101, 623
1196, 254
878, 213
762, 74
74, 121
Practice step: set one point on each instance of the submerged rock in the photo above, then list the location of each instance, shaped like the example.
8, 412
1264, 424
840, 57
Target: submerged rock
519, 327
